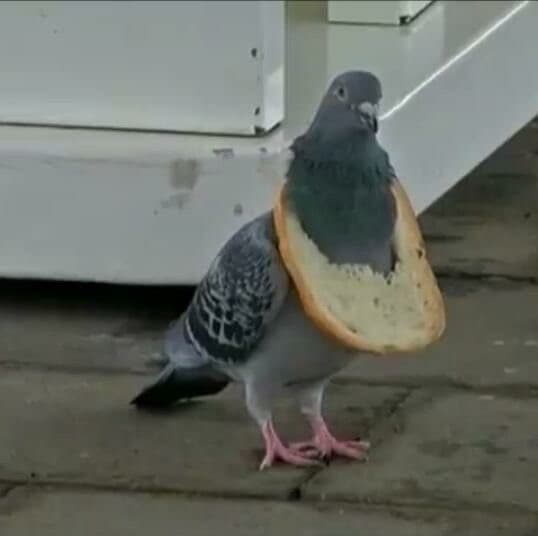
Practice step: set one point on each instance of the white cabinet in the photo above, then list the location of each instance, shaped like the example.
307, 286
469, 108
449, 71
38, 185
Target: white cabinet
198, 66
134, 206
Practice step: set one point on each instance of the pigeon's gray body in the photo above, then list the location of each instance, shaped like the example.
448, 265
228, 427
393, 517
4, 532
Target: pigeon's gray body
245, 322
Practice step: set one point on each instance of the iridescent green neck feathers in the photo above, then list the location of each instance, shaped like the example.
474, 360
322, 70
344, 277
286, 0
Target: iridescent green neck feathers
342, 197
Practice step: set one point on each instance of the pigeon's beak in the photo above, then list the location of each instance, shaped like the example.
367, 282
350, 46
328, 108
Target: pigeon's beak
368, 115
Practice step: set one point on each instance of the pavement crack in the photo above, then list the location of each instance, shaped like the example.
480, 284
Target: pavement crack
296, 493
397, 402
6, 490
378, 430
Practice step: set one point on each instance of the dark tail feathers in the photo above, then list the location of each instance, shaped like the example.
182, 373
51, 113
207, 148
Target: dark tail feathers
176, 384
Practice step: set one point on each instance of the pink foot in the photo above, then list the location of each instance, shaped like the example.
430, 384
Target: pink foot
275, 450
325, 445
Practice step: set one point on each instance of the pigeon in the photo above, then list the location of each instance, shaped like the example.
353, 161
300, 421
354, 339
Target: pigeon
246, 323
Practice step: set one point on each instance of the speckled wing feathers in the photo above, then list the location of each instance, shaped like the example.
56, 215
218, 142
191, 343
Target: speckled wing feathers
240, 295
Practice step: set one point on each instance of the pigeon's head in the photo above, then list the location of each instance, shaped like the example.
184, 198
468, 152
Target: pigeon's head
350, 105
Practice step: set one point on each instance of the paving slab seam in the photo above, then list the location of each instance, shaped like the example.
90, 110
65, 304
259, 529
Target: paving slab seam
390, 423
473, 276
413, 510
514, 390
81, 486
366, 505
378, 433
447, 505
421, 497
74, 370
506, 390
383, 428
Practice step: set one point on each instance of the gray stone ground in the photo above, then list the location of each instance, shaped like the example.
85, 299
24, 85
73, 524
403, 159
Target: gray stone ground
454, 433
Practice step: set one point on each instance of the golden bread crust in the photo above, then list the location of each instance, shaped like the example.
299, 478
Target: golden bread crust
409, 248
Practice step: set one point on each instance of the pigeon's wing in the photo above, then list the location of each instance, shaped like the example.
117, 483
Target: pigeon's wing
241, 294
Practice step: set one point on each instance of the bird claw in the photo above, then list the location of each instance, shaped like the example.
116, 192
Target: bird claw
323, 446
326, 447
275, 450
289, 456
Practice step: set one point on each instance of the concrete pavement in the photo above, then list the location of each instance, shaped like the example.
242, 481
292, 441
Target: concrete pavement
455, 441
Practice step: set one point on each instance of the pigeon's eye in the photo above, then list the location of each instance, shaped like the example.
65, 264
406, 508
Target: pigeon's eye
341, 93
